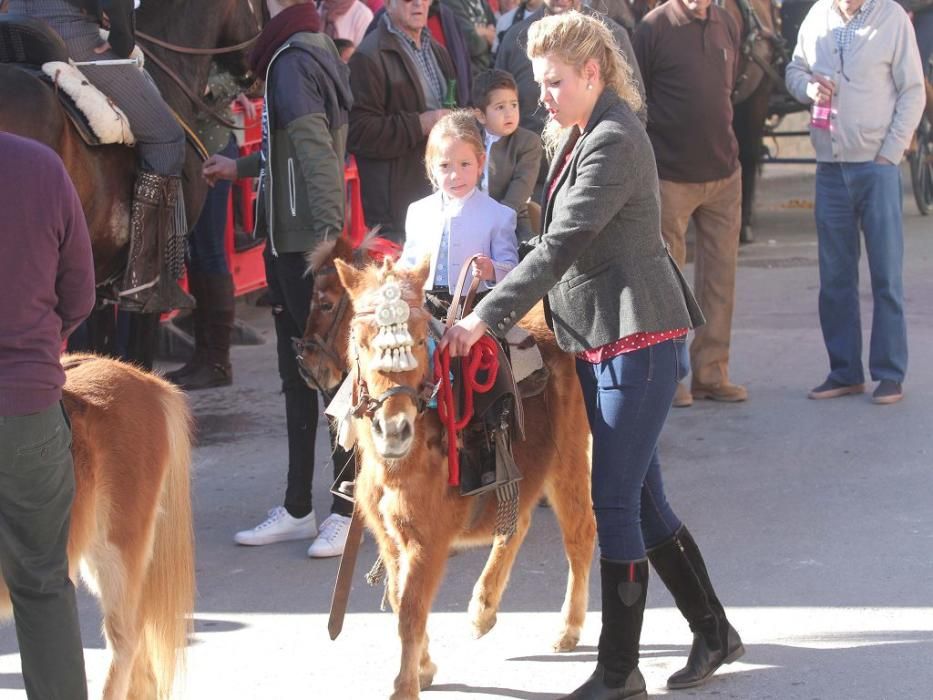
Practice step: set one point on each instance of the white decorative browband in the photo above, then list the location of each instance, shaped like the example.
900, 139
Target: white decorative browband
393, 341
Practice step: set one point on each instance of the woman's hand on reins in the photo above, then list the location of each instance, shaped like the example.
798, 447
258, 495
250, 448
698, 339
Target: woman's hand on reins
463, 335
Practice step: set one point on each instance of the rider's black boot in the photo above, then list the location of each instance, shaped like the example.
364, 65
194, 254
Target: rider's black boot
624, 591
715, 642
156, 253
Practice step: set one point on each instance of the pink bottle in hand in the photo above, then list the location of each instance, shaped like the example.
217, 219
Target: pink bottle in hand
821, 115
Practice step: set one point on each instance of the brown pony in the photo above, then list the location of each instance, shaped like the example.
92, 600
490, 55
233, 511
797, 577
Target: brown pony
402, 492
131, 529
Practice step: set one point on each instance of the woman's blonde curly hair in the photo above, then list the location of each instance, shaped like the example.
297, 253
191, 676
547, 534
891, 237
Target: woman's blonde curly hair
575, 38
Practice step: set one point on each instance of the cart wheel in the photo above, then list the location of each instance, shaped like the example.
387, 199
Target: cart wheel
921, 167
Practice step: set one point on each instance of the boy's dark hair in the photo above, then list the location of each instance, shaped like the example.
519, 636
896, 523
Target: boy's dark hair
342, 44
489, 80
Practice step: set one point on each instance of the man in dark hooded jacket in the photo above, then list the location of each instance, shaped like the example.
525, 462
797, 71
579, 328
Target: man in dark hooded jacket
300, 167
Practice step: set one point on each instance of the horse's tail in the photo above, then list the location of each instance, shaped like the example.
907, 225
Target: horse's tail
169, 589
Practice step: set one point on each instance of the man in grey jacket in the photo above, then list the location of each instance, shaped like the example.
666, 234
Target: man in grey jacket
857, 62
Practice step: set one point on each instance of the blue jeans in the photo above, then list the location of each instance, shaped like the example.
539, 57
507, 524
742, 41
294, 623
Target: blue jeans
206, 250
849, 197
627, 401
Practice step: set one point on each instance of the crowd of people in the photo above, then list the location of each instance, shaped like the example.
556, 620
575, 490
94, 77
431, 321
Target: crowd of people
571, 158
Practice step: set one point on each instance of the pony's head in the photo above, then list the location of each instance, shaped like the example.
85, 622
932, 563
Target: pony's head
322, 350
388, 350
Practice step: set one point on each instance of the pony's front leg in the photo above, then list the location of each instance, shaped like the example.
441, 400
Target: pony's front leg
421, 569
487, 593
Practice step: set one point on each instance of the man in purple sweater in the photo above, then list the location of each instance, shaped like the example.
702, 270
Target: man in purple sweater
46, 290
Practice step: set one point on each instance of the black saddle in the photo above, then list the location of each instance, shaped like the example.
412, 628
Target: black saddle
29, 41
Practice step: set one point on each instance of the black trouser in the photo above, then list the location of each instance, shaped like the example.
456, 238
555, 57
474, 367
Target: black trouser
290, 291
37, 487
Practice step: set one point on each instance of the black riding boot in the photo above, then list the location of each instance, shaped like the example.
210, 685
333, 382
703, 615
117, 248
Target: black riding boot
715, 642
198, 330
156, 254
212, 364
624, 591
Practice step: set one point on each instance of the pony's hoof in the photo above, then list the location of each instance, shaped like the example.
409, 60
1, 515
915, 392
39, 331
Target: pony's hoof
482, 618
426, 675
568, 640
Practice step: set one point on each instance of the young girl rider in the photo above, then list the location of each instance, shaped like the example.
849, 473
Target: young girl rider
459, 220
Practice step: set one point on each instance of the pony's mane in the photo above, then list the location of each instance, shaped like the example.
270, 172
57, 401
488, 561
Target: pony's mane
340, 247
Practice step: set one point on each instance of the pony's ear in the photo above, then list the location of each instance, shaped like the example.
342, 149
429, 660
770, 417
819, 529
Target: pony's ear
419, 273
343, 249
349, 276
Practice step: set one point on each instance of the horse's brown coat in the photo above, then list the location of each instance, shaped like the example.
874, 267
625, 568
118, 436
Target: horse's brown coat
417, 518
131, 529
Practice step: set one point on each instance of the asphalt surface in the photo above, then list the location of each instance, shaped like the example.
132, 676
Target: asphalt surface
816, 520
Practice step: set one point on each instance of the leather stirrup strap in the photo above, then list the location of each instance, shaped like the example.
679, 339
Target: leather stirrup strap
338, 603
458, 310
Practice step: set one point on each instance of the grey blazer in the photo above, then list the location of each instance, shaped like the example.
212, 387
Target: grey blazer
514, 162
600, 260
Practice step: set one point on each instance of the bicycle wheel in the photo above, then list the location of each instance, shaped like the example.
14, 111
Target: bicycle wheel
921, 167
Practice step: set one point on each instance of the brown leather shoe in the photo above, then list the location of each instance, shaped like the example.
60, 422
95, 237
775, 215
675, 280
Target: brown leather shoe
728, 392
888, 392
683, 397
831, 389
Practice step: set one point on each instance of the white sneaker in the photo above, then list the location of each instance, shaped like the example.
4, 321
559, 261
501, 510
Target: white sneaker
333, 537
279, 527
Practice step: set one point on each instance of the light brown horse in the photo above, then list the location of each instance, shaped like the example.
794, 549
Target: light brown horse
402, 491
131, 530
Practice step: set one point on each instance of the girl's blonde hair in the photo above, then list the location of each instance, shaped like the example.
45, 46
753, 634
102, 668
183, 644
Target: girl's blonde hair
460, 125
575, 38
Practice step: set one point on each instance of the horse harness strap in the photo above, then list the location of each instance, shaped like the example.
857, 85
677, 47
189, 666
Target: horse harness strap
189, 93
484, 443
195, 51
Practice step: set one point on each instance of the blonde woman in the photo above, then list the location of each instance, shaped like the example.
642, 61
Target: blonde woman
619, 302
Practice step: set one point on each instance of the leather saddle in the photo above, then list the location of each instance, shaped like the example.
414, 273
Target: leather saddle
485, 444
29, 43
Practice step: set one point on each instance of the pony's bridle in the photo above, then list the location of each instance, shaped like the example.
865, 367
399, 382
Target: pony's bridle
324, 345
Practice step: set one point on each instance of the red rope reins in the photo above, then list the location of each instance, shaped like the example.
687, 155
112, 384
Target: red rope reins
484, 356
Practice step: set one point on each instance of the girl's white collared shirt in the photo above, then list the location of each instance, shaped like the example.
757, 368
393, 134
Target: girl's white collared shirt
450, 231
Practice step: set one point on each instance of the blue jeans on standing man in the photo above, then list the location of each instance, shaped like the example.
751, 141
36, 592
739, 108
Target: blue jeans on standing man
627, 401
850, 197
207, 251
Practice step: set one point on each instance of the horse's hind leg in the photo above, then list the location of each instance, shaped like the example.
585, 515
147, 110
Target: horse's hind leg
487, 593
568, 490
426, 668
119, 595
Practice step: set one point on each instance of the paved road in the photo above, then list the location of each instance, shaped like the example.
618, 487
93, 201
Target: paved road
816, 520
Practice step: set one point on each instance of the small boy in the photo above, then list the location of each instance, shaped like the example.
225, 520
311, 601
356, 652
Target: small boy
513, 154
